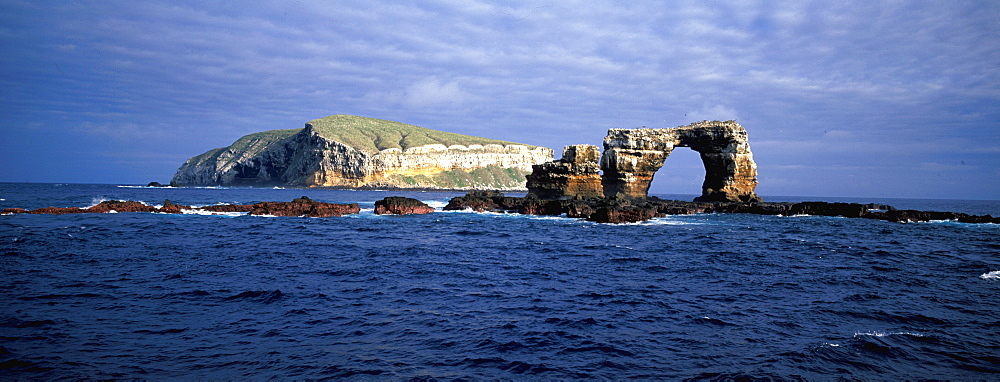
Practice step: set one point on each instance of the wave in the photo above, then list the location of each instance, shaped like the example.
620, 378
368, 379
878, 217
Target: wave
95, 201
672, 220
436, 204
211, 213
994, 275
886, 334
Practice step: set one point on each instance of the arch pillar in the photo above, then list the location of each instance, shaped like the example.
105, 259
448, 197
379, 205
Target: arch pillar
632, 157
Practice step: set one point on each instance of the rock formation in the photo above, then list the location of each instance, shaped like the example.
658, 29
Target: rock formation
631, 210
298, 207
632, 156
576, 175
304, 207
397, 205
356, 152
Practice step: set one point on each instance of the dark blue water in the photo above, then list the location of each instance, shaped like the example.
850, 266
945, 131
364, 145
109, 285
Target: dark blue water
487, 296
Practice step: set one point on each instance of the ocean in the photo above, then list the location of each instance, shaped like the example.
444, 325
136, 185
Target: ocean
483, 296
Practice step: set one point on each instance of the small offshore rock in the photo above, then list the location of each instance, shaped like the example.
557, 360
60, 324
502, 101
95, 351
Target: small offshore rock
121, 206
479, 201
397, 205
304, 207
171, 208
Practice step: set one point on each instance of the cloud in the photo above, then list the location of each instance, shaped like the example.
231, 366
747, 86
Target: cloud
816, 84
434, 92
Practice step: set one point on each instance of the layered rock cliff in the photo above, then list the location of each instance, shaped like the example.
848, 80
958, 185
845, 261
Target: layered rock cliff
577, 175
357, 152
632, 156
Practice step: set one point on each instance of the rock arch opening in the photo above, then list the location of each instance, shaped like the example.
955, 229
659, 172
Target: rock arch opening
682, 174
633, 156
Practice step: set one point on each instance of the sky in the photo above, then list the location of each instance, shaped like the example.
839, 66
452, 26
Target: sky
853, 99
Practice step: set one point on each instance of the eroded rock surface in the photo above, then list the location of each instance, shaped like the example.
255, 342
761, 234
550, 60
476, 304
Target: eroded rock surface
298, 207
576, 175
397, 205
304, 207
632, 156
316, 156
631, 210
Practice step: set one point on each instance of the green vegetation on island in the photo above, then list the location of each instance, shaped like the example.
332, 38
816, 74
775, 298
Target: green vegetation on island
250, 144
291, 157
373, 135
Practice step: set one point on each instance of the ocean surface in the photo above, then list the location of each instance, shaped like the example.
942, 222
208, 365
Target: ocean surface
462, 295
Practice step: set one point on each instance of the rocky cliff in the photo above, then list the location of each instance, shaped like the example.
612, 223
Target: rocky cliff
632, 156
357, 152
576, 175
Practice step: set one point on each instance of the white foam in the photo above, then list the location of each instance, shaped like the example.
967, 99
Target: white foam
95, 201
995, 275
436, 204
885, 334
668, 221
210, 213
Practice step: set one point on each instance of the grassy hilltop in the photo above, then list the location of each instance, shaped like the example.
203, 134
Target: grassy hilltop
369, 135
373, 135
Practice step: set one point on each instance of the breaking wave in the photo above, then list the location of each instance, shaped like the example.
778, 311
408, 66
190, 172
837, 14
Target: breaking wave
994, 275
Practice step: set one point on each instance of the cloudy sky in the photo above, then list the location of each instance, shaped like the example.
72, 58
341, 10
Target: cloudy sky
869, 99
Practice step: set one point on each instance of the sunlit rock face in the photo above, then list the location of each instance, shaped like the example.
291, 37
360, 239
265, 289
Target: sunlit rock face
576, 175
632, 156
307, 158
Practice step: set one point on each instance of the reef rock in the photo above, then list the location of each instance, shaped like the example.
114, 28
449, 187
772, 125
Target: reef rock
304, 207
356, 152
397, 205
632, 156
576, 175
121, 206
632, 210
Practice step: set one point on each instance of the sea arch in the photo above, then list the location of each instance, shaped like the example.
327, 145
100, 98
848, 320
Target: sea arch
632, 156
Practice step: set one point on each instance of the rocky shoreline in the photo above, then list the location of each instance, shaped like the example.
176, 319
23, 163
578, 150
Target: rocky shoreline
600, 210
632, 210
298, 207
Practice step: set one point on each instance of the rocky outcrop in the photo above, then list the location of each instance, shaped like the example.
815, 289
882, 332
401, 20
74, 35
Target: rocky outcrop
397, 205
632, 156
298, 207
304, 207
576, 175
356, 152
631, 210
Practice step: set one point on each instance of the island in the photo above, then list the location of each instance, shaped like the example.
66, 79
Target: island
346, 151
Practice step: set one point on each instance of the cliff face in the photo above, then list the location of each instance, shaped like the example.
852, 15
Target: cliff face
377, 154
576, 175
